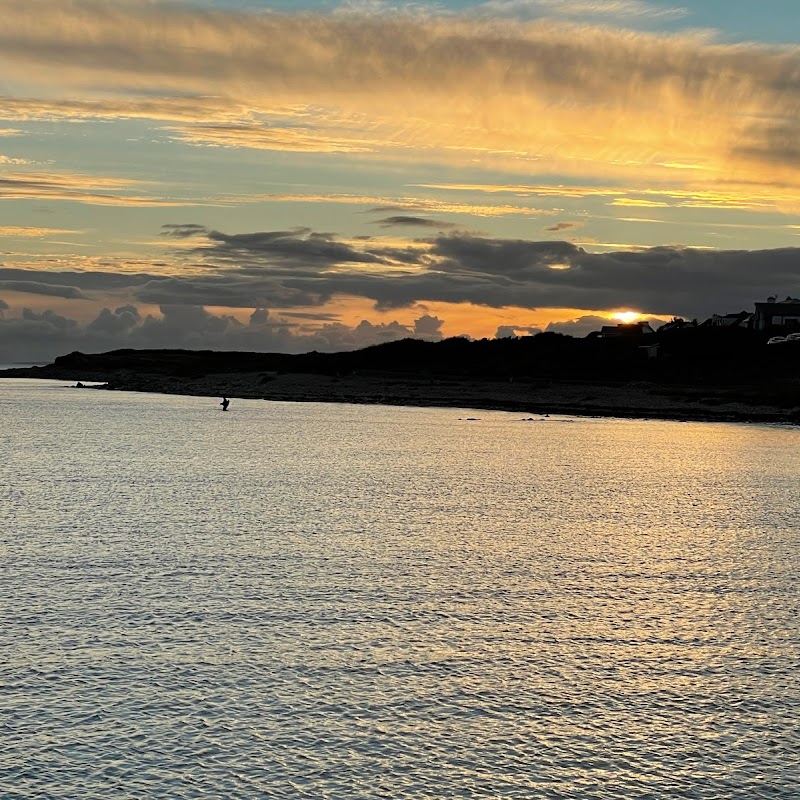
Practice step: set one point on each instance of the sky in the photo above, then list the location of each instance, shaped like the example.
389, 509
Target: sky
295, 176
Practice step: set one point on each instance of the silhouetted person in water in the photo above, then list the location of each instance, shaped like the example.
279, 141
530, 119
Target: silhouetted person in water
225, 403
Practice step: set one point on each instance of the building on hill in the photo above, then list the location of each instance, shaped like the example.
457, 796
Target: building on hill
783, 314
650, 350
625, 329
676, 323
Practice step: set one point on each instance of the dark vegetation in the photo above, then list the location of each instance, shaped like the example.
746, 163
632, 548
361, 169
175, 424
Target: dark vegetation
701, 356
699, 372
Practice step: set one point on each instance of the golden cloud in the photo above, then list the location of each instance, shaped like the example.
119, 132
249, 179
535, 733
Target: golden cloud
638, 202
289, 139
523, 190
33, 233
383, 203
81, 188
624, 9
727, 195
544, 97
163, 108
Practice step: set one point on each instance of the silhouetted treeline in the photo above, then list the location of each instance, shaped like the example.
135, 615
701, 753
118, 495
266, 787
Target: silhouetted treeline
694, 355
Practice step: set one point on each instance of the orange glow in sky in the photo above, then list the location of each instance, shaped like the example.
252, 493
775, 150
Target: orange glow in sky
282, 176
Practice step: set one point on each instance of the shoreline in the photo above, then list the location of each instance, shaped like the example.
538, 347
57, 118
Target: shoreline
632, 400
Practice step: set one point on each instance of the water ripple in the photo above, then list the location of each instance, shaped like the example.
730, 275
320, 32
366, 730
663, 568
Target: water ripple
295, 601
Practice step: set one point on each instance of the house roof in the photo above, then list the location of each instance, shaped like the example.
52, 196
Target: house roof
734, 319
625, 329
784, 307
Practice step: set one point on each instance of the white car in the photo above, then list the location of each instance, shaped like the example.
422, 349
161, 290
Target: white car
776, 340
793, 337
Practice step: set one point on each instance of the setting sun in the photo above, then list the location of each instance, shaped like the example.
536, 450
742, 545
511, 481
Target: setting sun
627, 316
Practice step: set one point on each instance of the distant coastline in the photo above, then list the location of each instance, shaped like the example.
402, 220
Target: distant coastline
255, 376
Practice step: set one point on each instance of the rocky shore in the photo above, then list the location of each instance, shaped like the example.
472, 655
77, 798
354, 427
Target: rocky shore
635, 399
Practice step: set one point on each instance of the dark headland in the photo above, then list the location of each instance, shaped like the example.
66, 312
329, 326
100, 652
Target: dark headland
689, 372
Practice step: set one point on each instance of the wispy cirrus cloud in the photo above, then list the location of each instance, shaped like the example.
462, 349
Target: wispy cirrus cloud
22, 231
725, 194
270, 137
89, 189
382, 204
160, 107
17, 162
454, 87
524, 190
624, 10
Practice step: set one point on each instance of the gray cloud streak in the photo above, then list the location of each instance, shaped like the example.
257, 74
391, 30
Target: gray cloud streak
505, 272
303, 269
402, 221
49, 289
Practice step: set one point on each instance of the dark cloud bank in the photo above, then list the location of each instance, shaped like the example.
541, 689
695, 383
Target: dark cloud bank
40, 337
498, 273
301, 268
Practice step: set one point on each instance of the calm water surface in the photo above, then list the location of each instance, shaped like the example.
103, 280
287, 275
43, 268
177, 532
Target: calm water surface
327, 601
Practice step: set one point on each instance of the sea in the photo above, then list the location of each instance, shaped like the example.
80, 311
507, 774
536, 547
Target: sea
309, 600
